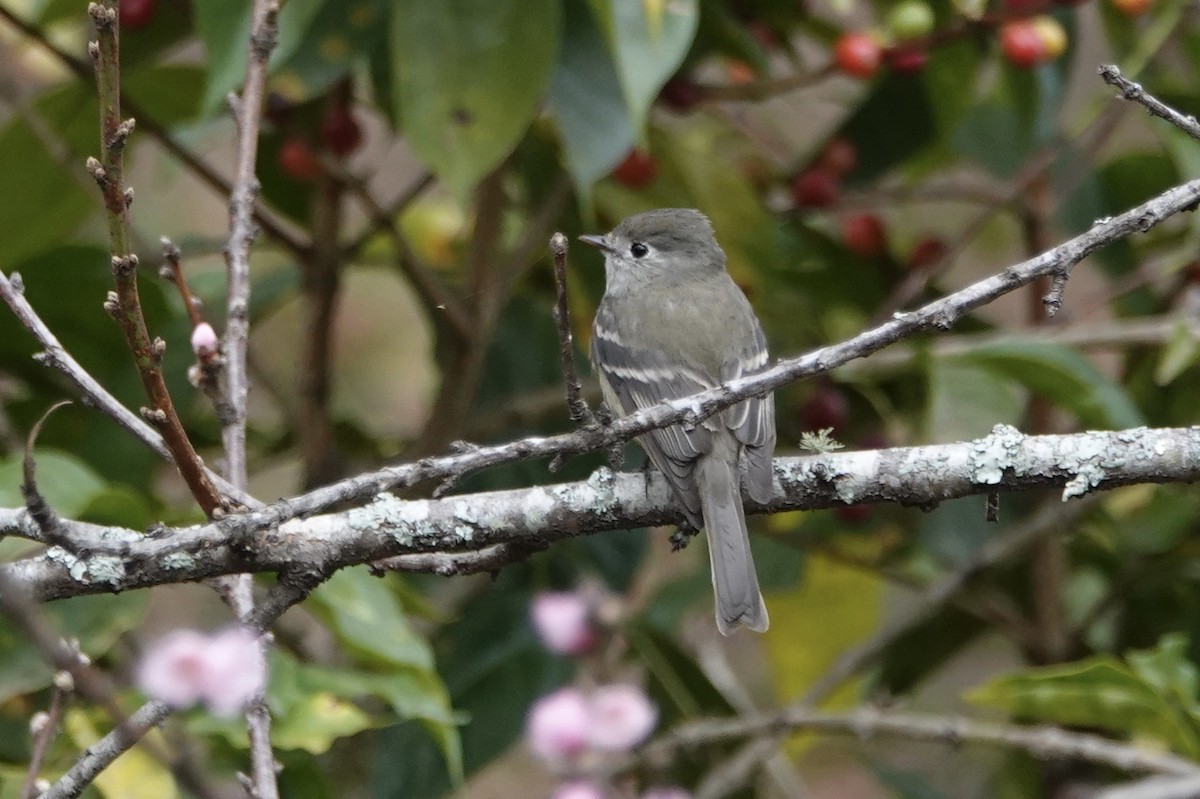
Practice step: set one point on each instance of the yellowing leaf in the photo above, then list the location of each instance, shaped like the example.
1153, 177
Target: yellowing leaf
833, 608
133, 775
313, 725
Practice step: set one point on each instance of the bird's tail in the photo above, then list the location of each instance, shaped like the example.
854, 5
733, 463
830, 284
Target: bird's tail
735, 582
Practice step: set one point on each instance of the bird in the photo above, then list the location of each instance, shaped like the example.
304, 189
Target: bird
673, 323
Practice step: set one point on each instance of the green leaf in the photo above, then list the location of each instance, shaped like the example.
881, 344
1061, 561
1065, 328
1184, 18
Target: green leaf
97, 621
367, 617
586, 100
648, 42
900, 105
967, 399
224, 27
1152, 696
337, 35
1168, 670
1178, 354
46, 202
991, 134
1063, 375
1134, 178
950, 76
468, 76
65, 481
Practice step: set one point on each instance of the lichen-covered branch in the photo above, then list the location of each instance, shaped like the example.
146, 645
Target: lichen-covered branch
533, 518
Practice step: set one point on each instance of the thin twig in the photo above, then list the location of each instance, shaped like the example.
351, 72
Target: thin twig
456, 564
124, 305
1157, 108
243, 194
172, 270
578, 409
1043, 742
247, 113
43, 731
39, 509
320, 285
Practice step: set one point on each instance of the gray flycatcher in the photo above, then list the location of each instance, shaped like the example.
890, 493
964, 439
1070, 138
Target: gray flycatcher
672, 323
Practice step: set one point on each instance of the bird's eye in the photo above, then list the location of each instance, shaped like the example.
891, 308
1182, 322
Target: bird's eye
638, 250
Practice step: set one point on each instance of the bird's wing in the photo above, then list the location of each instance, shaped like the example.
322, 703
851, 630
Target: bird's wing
632, 379
753, 421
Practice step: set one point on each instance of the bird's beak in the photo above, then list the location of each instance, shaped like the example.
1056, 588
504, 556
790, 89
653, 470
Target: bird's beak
599, 242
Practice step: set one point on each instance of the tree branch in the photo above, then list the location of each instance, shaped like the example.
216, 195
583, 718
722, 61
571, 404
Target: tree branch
1043, 742
125, 305
536, 517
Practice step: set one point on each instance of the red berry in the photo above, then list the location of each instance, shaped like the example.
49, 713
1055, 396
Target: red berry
863, 235
681, 93
136, 14
340, 132
298, 161
839, 157
907, 62
1131, 8
637, 170
926, 252
815, 188
853, 514
857, 54
1021, 43
824, 410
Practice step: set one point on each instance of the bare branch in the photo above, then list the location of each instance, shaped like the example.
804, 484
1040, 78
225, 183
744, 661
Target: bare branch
580, 413
1043, 742
126, 307
1134, 91
243, 195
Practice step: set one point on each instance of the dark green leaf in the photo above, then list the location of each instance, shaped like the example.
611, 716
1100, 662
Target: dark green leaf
648, 42
97, 621
468, 76
586, 100
1065, 376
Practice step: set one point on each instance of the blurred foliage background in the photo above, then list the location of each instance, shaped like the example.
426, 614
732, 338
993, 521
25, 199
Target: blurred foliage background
855, 157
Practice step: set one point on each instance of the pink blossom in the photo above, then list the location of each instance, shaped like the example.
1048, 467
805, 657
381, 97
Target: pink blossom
621, 717
666, 792
172, 669
562, 621
557, 724
224, 671
236, 673
204, 340
578, 789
